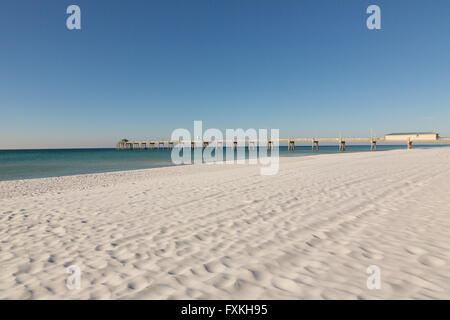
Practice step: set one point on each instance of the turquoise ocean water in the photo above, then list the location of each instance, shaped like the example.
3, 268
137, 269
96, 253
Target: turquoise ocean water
26, 164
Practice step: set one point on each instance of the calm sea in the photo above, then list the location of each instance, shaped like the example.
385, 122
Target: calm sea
26, 164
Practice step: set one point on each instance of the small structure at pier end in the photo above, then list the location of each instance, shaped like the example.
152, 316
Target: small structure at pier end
412, 136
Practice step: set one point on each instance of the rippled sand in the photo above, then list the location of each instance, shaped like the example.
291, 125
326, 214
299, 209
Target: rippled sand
226, 232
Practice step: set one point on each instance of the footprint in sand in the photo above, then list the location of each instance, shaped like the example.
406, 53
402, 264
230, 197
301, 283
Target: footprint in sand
60, 231
431, 261
415, 250
285, 284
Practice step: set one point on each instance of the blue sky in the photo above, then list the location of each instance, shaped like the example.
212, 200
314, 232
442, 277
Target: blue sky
142, 68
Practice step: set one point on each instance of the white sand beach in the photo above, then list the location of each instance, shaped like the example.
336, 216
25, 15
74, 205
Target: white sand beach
226, 232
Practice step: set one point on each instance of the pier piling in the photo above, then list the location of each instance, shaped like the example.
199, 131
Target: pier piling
373, 145
269, 145
291, 145
315, 145
342, 145
410, 144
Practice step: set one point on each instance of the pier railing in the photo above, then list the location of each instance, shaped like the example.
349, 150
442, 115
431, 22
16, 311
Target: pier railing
341, 142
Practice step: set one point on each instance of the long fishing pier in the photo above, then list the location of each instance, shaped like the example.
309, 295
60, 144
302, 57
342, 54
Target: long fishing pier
341, 143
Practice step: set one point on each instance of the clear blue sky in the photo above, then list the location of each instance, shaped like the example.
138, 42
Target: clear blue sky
141, 68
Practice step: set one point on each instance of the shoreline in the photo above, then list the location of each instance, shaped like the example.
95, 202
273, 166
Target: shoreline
134, 173
168, 165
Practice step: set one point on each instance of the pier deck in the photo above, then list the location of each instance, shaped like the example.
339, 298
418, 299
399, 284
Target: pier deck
341, 142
